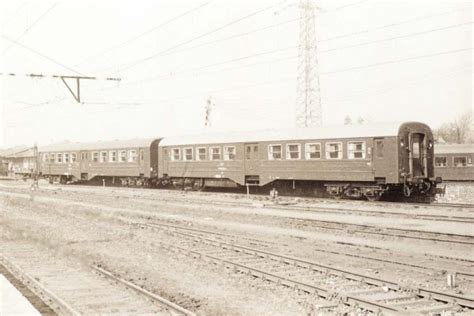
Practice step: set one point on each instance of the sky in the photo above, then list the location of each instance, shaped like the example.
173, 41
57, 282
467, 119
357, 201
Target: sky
377, 59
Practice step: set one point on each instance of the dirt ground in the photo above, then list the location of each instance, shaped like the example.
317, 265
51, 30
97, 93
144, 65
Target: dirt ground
93, 225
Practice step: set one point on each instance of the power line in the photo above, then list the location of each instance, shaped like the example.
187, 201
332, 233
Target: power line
142, 60
398, 37
31, 26
416, 19
42, 55
167, 76
134, 38
397, 61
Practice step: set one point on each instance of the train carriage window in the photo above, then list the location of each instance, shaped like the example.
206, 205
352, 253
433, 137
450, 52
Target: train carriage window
293, 151
379, 148
95, 156
356, 150
132, 155
45, 158
274, 152
83, 156
59, 158
52, 157
255, 149
333, 150
441, 162
103, 156
188, 154
66, 157
201, 154
123, 156
112, 156
313, 151
73, 157
248, 152
460, 161
215, 153
176, 154
229, 152
416, 149
142, 155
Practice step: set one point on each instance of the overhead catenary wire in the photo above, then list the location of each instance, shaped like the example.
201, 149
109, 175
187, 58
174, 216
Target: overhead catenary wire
30, 27
190, 40
153, 29
42, 55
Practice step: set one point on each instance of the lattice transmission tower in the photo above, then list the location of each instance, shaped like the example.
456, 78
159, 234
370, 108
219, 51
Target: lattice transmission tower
308, 97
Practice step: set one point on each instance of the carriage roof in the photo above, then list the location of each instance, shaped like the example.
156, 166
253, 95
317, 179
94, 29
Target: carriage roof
329, 132
100, 145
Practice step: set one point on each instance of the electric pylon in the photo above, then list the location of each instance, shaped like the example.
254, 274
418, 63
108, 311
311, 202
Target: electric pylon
308, 97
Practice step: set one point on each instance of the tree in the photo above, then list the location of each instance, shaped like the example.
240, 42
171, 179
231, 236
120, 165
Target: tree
458, 131
347, 120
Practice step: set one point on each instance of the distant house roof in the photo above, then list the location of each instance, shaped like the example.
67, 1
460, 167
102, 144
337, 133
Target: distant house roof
13, 150
114, 144
330, 132
454, 149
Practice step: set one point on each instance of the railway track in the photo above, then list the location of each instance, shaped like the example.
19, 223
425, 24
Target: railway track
70, 289
333, 284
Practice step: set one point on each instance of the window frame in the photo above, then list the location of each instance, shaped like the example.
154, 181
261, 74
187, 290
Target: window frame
271, 152
83, 156
52, 157
363, 150
59, 158
328, 152
379, 154
111, 156
45, 157
120, 156
198, 157
307, 152
185, 154
173, 152
465, 165
211, 153
226, 154
95, 156
130, 157
288, 152
102, 158
73, 154
445, 161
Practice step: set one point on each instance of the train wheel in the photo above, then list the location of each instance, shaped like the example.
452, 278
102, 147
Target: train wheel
373, 197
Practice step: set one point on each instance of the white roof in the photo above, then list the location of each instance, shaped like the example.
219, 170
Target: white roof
330, 132
454, 148
114, 144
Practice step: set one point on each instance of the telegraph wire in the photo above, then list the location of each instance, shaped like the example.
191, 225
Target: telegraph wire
31, 26
134, 38
145, 59
42, 55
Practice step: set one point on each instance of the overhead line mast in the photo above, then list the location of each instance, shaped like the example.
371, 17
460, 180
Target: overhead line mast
77, 94
308, 97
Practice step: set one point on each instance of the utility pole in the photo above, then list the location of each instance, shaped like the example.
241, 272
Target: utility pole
207, 111
308, 97
36, 175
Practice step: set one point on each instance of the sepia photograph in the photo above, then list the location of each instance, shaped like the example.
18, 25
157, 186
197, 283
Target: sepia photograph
236, 157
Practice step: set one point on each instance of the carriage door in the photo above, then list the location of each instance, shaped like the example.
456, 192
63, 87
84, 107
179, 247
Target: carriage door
379, 160
417, 154
251, 163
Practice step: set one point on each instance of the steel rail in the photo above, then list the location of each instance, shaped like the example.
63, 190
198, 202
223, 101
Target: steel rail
37, 288
444, 297
464, 273
142, 291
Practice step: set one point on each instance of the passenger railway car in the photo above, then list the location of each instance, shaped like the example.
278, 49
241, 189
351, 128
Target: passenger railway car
128, 162
352, 160
454, 162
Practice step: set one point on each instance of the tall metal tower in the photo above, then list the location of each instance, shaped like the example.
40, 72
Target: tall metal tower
308, 97
207, 112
